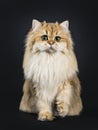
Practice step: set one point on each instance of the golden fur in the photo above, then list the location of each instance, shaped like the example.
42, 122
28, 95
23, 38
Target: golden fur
51, 86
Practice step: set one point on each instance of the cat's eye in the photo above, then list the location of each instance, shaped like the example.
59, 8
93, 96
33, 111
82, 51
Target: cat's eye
57, 38
44, 37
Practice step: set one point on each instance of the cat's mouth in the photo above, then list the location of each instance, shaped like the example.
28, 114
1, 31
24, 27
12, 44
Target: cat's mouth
50, 50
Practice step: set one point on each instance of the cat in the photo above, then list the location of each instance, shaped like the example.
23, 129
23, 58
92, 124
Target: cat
51, 87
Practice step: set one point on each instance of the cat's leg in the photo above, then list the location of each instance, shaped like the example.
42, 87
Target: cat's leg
63, 99
68, 100
45, 110
76, 102
26, 101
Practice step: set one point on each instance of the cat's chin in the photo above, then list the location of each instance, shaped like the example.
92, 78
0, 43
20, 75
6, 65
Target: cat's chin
50, 51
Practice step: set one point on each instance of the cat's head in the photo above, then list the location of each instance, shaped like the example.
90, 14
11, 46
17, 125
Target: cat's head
49, 37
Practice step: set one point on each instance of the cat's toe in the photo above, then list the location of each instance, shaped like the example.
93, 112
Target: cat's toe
61, 109
45, 116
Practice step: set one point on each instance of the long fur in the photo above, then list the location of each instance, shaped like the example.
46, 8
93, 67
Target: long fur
51, 86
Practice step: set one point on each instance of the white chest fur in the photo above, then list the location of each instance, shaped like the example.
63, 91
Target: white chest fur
49, 71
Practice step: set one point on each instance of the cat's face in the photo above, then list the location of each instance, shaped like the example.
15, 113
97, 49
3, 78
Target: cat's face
50, 37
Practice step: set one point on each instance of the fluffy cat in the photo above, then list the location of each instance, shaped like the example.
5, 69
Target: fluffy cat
51, 86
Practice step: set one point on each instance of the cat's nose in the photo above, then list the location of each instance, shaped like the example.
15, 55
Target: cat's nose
51, 42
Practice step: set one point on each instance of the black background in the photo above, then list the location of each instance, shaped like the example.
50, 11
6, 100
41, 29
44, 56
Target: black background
15, 21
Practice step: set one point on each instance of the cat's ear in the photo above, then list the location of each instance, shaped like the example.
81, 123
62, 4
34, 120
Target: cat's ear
35, 24
65, 25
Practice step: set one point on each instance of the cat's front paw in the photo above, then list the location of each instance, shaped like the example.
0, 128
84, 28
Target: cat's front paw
61, 109
45, 116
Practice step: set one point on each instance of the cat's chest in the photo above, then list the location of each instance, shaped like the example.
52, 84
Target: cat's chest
47, 69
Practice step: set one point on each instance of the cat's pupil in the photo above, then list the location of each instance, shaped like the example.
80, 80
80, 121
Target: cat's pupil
44, 37
57, 38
